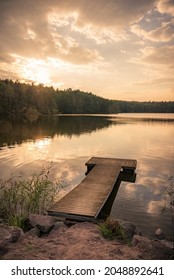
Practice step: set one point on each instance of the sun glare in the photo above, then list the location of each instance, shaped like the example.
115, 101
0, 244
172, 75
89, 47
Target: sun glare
42, 143
37, 71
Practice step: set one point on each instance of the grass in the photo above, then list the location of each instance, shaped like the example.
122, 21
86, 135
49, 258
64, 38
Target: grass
20, 197
111, 229
168, 197
169, 193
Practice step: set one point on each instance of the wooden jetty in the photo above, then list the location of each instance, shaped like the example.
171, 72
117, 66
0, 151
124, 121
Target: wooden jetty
85, 201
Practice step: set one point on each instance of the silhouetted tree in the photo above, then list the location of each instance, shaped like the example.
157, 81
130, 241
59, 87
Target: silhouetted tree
17, 98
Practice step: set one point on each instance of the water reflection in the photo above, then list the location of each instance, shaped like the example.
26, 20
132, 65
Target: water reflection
147, 117
123, 176
70, 141
15, 131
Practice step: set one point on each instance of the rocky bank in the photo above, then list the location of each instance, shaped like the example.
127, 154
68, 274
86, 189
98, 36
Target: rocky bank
50, 239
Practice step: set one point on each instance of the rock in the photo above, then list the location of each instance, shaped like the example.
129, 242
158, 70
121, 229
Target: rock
151, 249
159, 234
139, 240
58, 224
42, 222
34, 232
16, 233
9, 234
169, 244
82, 241
3, 243
129, 228
58, 229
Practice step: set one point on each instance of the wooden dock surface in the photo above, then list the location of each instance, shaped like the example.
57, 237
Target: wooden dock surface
86, 200
129, 164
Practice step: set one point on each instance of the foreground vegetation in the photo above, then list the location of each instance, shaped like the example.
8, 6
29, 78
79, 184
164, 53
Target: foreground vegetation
169, 201
16, 97
20, 197
111, 229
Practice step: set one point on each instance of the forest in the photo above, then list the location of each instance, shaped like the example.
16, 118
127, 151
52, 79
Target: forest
22, 98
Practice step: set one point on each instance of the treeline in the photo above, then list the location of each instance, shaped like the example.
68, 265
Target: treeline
17, 97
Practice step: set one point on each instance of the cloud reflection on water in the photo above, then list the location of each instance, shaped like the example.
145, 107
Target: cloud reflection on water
69, 142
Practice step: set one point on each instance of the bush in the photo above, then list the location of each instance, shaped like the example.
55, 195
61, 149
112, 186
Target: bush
111, 229
21, 197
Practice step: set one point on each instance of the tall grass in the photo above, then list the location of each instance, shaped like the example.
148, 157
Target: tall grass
168, 197
111, 229
20, 197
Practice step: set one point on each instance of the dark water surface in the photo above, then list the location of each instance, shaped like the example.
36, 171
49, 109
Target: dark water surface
26, 146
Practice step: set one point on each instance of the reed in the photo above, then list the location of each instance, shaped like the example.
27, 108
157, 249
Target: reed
168, 197
20, 197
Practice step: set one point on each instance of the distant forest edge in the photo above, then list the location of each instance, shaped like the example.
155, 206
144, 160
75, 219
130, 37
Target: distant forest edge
22, 98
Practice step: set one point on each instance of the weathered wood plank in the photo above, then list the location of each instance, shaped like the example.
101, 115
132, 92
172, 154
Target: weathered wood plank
125, 163
88, 198
90, 195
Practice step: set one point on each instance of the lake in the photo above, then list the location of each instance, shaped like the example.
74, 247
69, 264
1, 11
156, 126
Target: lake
28, 145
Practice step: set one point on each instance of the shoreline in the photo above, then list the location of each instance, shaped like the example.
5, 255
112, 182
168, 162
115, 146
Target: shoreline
49, 239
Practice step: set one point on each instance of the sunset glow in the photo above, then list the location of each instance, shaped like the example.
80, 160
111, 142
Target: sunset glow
117, 49
36, 71
42, 143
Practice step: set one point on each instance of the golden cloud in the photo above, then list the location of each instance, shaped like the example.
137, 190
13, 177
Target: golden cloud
164, 33
166, 6
162, 55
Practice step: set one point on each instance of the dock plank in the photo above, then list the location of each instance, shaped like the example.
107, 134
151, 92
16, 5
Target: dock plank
87, 199
90, 195
125, 163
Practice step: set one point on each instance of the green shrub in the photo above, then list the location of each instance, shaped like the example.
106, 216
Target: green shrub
20, 197
111, 229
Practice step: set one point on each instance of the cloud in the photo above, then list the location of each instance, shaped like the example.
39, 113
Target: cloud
68, 49
70, 22
74, 41
42, 29
24, 29
156, 65
156, 81
166, 6
164, 33
160, 56
6, 74
100, 20
101, 13
5, 58
25, 23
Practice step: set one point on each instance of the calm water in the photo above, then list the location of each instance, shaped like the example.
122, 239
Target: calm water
26, 146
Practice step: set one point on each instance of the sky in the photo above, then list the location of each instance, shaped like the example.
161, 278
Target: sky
117, 49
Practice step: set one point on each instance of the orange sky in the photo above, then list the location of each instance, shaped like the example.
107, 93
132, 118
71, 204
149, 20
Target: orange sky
118, 49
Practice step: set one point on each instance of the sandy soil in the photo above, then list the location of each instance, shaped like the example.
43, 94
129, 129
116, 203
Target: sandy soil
79, 242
